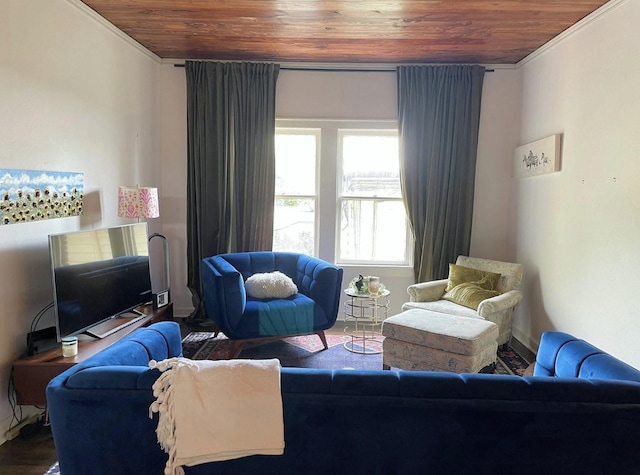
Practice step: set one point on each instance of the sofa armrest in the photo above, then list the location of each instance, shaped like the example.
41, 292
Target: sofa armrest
499, 304
102, 431
113, 377
322, 282
427, 291
224, 294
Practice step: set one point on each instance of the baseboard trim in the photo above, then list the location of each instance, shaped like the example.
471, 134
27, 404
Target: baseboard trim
28, 412
525, 340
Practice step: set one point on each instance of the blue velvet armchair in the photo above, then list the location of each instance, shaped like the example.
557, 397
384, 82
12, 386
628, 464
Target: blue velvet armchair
313, 309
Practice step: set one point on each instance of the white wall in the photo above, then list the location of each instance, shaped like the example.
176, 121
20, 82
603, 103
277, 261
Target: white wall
577, 231
75, 97
499, 122
173, 125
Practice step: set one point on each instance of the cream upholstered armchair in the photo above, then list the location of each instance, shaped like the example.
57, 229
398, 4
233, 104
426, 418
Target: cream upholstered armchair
497, 309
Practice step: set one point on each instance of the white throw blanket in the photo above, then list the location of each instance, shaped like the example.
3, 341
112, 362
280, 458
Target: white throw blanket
217, 410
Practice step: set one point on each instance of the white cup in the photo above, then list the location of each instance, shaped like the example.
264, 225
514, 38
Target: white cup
69, 346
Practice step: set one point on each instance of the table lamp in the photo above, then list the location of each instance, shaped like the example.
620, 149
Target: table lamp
142, 202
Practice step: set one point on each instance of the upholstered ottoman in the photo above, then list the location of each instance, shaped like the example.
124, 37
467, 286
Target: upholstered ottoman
420, 339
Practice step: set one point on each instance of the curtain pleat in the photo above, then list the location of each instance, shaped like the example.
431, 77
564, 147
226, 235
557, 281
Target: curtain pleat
230, 162
438, 122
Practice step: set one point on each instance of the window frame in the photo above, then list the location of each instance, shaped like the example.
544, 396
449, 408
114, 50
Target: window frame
340, 197
317, 132
328, 183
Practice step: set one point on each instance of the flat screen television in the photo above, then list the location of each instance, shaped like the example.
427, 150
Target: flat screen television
98, 276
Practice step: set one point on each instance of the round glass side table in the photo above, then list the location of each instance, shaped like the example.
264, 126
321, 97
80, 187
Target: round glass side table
364, 314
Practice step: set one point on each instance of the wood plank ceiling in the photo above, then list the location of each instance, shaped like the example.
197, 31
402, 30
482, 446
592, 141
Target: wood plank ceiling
345, 31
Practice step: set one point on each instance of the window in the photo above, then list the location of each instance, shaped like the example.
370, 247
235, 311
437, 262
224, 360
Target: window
295, 200
338, 192
372, 222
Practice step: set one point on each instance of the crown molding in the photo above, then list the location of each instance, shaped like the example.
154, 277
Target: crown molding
111, 28
595, 15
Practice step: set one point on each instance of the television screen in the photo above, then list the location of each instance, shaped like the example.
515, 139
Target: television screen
98, 275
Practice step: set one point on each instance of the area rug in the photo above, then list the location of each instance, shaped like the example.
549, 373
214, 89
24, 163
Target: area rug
308, 352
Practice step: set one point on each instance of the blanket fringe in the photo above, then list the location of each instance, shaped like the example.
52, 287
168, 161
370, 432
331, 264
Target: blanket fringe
163, 391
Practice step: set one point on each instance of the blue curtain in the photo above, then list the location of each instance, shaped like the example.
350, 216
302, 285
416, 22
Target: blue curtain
438, 121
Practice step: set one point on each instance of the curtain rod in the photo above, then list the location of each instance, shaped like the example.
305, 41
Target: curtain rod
339, 70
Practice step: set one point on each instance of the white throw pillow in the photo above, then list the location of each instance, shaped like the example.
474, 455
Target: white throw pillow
270, 285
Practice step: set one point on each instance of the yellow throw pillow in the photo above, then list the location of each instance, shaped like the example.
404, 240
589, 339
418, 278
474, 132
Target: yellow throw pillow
469, 295
466, 275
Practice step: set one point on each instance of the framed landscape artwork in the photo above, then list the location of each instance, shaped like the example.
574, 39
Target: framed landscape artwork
30, 195
538, 158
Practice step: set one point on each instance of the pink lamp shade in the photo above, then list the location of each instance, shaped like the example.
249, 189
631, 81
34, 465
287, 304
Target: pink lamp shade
138, 202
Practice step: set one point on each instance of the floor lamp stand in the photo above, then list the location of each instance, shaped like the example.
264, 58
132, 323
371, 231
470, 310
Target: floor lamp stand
162, 298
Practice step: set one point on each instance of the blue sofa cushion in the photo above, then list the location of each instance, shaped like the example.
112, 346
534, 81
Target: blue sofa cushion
571, 356
550, 344
269, 317
605, 366
566, 356
157, 342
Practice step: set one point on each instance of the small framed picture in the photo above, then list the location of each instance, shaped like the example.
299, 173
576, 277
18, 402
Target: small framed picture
161, 298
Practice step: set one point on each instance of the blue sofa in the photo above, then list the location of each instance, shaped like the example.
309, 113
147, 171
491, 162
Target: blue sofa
241, 317
580, 415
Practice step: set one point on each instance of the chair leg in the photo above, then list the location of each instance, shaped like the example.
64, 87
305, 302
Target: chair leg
489, 369
235, 349
323, 338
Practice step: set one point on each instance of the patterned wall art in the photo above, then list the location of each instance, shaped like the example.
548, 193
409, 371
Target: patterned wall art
29, 195
538, 158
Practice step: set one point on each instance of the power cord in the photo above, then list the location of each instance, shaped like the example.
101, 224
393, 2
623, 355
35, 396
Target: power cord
38, 317
16, 409
13, 403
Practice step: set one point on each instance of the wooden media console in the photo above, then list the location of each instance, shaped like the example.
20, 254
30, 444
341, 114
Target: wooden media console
31, 374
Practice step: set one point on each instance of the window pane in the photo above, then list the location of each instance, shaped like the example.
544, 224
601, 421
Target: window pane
295, 164
372, 230
370, 166
294, 225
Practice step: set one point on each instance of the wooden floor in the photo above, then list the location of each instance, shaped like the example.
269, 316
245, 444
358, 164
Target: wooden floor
33, 451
